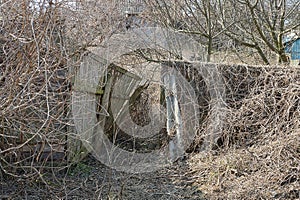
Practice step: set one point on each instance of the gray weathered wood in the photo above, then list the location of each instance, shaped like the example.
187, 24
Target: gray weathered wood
174, 121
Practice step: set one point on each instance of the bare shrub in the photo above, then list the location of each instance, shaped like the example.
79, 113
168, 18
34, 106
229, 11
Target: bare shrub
34, 87
259, 148
41, 45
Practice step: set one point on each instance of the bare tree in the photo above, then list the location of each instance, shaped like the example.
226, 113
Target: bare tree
197, 18
258, 25
261, 25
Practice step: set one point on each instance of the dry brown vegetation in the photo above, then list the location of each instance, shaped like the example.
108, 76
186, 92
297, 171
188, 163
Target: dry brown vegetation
34, 87
256, 157
260, 151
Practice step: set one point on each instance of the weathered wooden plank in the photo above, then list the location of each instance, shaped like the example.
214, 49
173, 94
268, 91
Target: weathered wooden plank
86, 87
82, 87
174, 121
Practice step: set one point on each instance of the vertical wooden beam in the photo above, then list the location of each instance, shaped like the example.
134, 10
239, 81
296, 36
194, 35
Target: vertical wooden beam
174, 120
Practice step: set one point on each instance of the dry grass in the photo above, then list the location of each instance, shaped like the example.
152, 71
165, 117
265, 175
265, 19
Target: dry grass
260, 154
258, 172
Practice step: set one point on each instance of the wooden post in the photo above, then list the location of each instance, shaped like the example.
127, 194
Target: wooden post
174, 121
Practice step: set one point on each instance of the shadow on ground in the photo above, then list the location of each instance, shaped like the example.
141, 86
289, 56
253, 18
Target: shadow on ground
89, 179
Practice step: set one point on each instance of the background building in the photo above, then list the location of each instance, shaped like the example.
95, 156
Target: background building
292, 47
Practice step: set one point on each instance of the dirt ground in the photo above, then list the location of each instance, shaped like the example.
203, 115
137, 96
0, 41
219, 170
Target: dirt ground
89, 179
237, 174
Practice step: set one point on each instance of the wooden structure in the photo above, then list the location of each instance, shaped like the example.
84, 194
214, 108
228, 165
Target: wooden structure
97, 71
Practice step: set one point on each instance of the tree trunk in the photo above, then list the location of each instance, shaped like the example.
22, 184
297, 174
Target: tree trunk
283, 58
209, 49
262, 55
